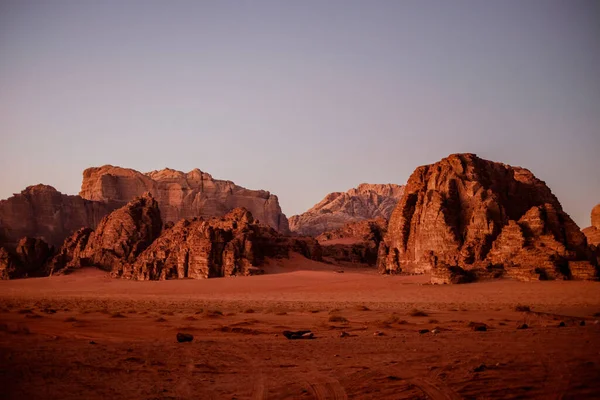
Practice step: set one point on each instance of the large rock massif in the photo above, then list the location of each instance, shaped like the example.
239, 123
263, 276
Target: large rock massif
131, 243
181, 195
593, 232
41, 211
464, 217
367, 201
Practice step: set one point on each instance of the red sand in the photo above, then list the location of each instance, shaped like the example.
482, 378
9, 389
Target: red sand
239, 352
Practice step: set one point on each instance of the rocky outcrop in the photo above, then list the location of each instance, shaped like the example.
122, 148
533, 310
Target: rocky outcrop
480, 216
593, 232
29, 259
337, 209
232, 245
42, 212
181, 195
119, 238
71, 254
7, 264
355, 242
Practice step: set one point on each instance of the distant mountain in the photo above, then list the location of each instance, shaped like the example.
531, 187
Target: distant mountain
367, 201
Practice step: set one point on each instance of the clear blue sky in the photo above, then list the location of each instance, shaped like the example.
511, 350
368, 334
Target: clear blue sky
300, 97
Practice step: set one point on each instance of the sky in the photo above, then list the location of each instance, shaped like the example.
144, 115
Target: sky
300, 97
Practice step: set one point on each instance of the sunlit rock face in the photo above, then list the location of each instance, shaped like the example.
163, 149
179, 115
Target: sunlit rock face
181, 195
483, 216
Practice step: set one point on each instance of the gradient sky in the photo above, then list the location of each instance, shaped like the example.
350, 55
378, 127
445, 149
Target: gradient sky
301, 97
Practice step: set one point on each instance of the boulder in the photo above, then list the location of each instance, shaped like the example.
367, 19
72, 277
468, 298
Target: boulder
367, 201
481, 216
181, 195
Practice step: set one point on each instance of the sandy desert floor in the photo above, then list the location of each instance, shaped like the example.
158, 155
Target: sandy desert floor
87, 336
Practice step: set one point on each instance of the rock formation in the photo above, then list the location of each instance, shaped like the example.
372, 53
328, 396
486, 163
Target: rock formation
356, 242
28, 259
337, 209
482, 217
119, 238
593, 232
42, 212
231, 245
129, 243
181, 195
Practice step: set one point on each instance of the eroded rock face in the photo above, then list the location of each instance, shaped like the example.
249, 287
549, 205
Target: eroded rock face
42, 212
355, 242
28, 260
181, 195
234, 244
119, 238
593, 232
367, 201
479, 215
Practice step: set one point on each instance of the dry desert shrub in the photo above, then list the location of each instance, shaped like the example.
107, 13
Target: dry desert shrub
338, 318
417, 313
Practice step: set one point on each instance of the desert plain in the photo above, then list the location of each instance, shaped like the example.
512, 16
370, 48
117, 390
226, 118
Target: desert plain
89, 336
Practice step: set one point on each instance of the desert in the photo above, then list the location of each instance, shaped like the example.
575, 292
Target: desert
87, 335
281, 200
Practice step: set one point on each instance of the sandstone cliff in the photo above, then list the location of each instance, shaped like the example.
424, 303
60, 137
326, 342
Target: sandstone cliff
337, 209
181, 195
119, 238
593, 232
464, 213
41, 211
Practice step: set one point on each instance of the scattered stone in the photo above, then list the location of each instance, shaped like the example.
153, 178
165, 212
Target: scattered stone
478, 326
92, 342
184, 337
378, 333
523, 326
293, 335
582, 323
435, 331
480, 368
339, 271
423, 331
344, 334
562, 324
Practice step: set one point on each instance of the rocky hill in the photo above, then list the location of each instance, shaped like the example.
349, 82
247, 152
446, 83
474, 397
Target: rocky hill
181, 195
593, 232
42, 212
367, 201
465, 217
131, 242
